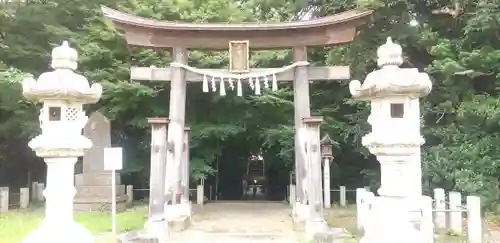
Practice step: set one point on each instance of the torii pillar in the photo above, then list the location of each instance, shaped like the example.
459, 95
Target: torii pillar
156, 224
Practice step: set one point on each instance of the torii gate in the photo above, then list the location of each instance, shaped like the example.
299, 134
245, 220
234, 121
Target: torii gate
238, 38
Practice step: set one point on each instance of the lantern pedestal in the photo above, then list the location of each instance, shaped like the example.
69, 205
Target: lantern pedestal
300, 211
60, 233
390, 222
58, 225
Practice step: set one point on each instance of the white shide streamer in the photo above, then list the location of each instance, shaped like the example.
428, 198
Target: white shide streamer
252, 77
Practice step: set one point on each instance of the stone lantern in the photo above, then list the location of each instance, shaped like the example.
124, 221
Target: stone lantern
62, 118
395, 139
327, 155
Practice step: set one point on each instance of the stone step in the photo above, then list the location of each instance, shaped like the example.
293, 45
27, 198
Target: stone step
98, 191
104, 200
96, 179
98, 206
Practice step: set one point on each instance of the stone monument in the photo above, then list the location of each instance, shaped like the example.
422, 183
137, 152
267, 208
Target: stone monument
395, 139
62, 118
94, 184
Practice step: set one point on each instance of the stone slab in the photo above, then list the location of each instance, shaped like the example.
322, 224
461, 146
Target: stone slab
98, 130
96, 179
298, 224
98, 206
179, 224
137, 237
108, 199
98, 191
332, 235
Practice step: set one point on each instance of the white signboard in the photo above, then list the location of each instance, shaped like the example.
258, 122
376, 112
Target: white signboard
113, 158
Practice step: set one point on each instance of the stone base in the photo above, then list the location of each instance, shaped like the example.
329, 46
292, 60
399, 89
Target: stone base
299, 216
179, 224
332, 235
93, 192
98, 206
158, 229
178, 216
387, 216
137, 237
312, 228
178, 210
96, 178
301, 210
60, 233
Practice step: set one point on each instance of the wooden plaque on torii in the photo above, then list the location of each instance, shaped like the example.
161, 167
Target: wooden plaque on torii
239, 56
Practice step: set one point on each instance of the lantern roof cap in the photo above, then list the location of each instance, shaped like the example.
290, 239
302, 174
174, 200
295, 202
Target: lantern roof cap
64, 56
391, 80
389, 53
62, 83
326, 139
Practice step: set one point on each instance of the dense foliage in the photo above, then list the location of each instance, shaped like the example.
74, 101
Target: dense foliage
456, 42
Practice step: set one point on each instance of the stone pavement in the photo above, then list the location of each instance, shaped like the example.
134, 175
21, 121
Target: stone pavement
245, 222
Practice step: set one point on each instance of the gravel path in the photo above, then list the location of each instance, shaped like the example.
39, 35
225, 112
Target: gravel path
224, 222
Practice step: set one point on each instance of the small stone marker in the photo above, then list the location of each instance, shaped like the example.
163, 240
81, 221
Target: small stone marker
24, 197
475, 232
199, 195
455, 217
427, 225
440, 204
33, 190
293, 195
130, 194
343, 201
4, 199
137, 237
39, 191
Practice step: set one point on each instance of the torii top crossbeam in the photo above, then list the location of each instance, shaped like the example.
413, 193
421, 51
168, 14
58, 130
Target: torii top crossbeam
336, 29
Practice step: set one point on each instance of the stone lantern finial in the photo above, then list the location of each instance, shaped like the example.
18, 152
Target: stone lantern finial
64, 57
389, 54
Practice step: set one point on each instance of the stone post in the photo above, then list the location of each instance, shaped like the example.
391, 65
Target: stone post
39, 191
61, 142
326, 183
292, 195
315, 222
4, 199
185, 202
427, 224
360, 201
33, 190
455, 214
24, 197
395, 140
363, 210
199, 194
156, 224
130, 194
343, 192
474, 222
440, 205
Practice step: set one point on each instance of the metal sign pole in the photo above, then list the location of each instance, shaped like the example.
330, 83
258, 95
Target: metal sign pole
113, 201
113, 161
